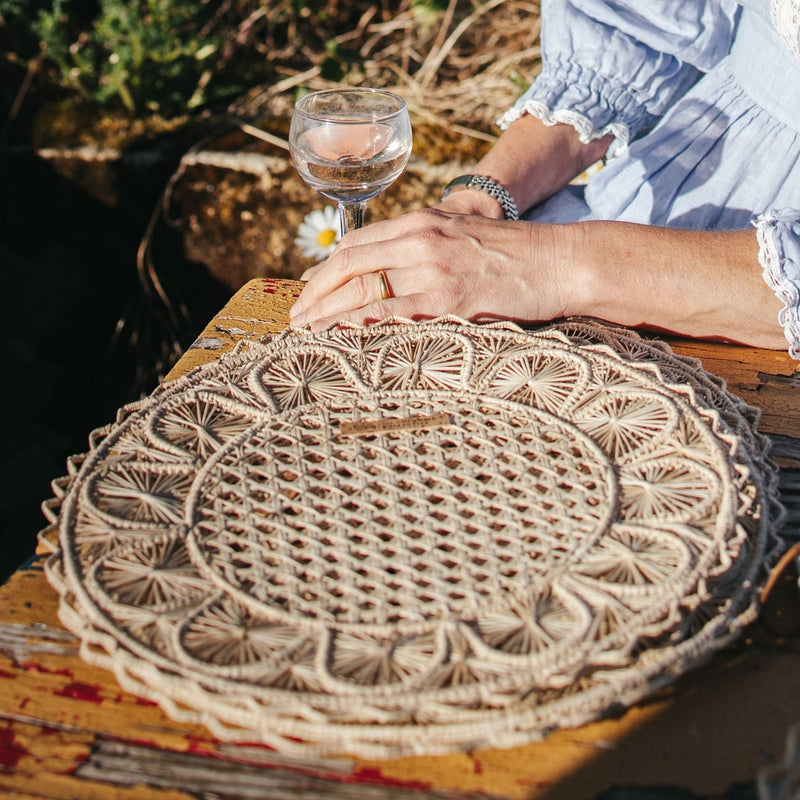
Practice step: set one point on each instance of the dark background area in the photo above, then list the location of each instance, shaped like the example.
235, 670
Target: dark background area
81, 335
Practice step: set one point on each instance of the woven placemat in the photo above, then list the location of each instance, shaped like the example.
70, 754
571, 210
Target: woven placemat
416, 537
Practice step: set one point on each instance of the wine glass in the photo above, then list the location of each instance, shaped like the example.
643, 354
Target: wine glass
350, 145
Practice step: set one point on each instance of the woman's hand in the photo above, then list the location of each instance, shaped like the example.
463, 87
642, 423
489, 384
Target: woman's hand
437, 262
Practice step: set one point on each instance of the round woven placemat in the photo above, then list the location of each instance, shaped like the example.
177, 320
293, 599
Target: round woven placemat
416, 537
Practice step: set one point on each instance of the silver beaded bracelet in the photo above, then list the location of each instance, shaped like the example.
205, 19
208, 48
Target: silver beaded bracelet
488, 185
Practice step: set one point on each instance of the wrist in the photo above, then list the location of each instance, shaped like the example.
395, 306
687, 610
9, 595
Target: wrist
462, 200
573, 268
488, 186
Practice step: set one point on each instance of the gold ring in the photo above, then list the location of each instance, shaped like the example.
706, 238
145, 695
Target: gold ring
386, 290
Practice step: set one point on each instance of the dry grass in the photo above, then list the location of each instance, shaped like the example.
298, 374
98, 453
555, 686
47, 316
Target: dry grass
458, 69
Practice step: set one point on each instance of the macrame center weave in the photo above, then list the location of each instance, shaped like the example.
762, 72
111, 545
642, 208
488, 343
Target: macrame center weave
416, 537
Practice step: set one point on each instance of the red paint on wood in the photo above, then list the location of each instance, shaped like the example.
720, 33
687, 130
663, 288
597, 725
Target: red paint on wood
4, 674
11, 751
201, 749
81, 691
143, 701
373, 775
29, 666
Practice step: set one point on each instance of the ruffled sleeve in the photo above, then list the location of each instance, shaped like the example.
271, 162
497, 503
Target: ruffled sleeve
615, 66
779, 254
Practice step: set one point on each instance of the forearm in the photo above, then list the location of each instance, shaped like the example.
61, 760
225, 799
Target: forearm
703, 284
532, 161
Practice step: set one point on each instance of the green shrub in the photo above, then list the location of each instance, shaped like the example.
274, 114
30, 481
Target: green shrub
168, 56
143, 55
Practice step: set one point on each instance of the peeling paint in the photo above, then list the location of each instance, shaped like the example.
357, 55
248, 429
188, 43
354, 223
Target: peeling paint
81, 691
231, 331
21, 642
30, 666
11, 751
124, 764
208, 343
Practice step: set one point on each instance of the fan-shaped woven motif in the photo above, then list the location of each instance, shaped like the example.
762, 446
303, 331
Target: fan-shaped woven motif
416, 537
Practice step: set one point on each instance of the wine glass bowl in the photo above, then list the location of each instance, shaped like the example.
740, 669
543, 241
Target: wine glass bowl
350, 145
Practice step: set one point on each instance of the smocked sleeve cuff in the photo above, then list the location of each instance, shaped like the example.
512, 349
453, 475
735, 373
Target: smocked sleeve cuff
591, 103
779, 255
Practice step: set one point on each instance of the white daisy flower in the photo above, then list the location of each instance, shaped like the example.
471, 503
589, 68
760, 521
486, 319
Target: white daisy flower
319, 232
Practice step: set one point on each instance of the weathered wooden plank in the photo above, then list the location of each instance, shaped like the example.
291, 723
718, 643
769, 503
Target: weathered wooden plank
766, 379
260, 307
23, 642
43, 761
124, 764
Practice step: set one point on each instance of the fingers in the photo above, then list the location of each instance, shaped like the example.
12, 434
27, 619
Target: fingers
344, 265
408, 307
350, 278
392, 232
312, 271
372, 267
369, 292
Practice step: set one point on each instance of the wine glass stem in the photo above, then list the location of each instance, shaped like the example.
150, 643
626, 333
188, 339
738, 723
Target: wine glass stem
351, 215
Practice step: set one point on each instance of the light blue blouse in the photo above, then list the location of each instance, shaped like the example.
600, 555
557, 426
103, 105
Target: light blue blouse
703, 101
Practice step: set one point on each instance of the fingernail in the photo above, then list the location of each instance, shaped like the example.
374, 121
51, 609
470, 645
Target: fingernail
298, 320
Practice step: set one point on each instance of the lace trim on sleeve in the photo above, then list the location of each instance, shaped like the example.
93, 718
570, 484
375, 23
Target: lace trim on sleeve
582, 124
771, 228
785, 15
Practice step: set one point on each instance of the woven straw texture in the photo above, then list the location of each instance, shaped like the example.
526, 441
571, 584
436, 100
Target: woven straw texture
415, 538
